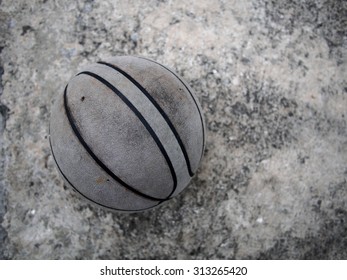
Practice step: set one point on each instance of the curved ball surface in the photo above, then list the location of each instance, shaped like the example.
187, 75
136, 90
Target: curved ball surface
127, 133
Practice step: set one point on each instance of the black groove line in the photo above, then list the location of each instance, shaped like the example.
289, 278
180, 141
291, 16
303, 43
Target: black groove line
191, 94
100, 204
161, 111
143, 121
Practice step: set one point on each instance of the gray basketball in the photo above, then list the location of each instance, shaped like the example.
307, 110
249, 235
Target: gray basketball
127, 133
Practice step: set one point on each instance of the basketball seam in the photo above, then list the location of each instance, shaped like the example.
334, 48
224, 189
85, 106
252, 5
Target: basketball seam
160, 110
143, 121
191, 94
100, 204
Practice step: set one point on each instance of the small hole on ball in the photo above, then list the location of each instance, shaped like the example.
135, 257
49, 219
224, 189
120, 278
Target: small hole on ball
108, 180
82, 98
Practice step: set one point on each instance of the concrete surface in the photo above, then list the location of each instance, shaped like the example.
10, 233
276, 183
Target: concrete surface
271, 77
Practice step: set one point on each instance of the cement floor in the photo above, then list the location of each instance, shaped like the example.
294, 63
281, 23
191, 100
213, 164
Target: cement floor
271, 78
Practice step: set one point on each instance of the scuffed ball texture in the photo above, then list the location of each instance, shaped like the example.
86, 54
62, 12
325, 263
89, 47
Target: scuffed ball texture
127, 133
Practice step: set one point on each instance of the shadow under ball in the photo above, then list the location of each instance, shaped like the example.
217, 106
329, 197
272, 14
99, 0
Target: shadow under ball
127, 133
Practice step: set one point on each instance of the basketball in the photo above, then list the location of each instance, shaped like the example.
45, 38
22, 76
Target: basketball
127, 133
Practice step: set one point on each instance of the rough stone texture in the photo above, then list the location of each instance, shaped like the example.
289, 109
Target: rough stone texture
271, 76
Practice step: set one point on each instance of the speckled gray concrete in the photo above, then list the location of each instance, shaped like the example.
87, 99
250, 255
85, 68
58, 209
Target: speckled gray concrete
271, 77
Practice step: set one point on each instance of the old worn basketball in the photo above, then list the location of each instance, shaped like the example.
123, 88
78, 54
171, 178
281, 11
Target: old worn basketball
127, 133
